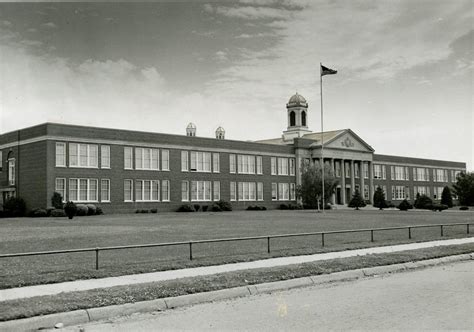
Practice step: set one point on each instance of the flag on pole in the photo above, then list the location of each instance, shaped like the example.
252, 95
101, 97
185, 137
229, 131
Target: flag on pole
327, 71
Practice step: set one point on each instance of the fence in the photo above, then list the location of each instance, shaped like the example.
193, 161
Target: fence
265, 237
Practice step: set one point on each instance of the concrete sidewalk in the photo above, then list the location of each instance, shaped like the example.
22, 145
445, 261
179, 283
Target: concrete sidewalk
83, 285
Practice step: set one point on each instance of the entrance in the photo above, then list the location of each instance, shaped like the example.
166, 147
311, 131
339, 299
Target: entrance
348, 195
338, 196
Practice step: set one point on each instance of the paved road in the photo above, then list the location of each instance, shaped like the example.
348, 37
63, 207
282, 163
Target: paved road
438, 298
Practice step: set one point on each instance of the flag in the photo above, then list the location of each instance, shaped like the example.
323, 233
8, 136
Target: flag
327, 71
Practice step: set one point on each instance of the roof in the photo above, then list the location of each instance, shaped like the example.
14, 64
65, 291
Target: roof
297, 100
327, 136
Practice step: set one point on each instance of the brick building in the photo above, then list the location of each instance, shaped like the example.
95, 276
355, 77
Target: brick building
122, 170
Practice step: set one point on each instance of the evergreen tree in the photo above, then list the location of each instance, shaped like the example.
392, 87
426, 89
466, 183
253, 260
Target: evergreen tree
310, 190
57, 200
464, 188
357, 201
423, 202
379, 198
446, 197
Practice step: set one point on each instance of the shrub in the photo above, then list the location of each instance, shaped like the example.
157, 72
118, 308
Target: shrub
197, 207
57, 200
58, 213
99, 211
39, 213
82, 210
284, 207
390, 205
405, 205
153, 210
464, 208
204, 208
91, 209
423, 202
224, 205
356, 201
256, 208
447, 197
14, 207
49, 210
439, 207
216, 208
379, 198
70, 209
144, 211
186, 208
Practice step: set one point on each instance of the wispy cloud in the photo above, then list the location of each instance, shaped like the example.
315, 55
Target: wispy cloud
248, 12
256, 35
221, 56
50, 25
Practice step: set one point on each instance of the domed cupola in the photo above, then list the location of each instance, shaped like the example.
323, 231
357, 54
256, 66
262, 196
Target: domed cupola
220, 133
297, 110
191, 129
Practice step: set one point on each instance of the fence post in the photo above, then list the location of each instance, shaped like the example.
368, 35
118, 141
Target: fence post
96, 258
322, 239
409, 233
442, 233
371, 235
268, 244
190, 251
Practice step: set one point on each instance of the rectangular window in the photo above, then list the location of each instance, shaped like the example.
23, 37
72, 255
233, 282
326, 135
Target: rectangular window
105, 190
274, 166
292, 191
283, 191
165, 160
259, 191
61, 188
184, 191
127, 158
83, 155
215, 163
246, 164
259, 165
366, 191
437, 192
282, 166
200, 190
337, 166
184, 161
93, 188
399, 173
127, 190
240, 193
274, 192
200, 161
83, 190
233, 191
147, 190
347, 170
232, 168
146, 159
247, 191
165, 190
217, 191
73, 189
398, 192
356, 171
292, 166
60, 154
11, 172
104, 156
366, 170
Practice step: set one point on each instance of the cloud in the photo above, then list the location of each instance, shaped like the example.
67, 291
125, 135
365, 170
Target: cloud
32, 30
221, 56
7, 23
204, 33
248, 12
28, 42
255, 35
49, 25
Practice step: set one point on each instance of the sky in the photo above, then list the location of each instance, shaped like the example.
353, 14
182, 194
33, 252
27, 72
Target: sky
404, 81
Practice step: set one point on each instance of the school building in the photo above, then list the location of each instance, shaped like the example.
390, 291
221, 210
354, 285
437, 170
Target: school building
122, 171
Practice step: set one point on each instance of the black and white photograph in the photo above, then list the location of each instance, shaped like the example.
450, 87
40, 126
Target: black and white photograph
245, 165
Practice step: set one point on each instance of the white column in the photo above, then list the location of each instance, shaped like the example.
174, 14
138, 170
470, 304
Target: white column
343, 182
352, 177
371, 182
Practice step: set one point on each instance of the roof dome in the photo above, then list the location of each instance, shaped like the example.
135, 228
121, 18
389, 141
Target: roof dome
297, 100
191, 126
220, 130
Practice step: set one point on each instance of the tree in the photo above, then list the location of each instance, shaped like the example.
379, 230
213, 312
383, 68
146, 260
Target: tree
446, 197
464, 188
405, 205
423, 202
379, 198
310, 190
357, 201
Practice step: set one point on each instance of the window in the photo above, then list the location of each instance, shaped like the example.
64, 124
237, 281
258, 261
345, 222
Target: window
283, 192
380, 172
292, 166
420, 174
282, 166
83, 155
366, 191
127, 158
259, 165
247, 191
184, 161
440, 175
215, 163
11, 172
105, 156
83, 190
1, 160
147, 190
184, 191
146, 159
437, 192
200, 161
61, 188
422, 190
337, 166
292, 192
292, 118
399, 173
105, 190
274, 166
233, 191
347, 170
366, 170
217, 191
260, 191
127, 190
165, 190
165, 160
60, 154
398, 192
454, 174
232, 165
200, 190
356, 171
246, 164
303, 119
274, 192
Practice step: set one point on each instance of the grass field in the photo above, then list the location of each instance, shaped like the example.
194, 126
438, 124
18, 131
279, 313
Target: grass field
27, 234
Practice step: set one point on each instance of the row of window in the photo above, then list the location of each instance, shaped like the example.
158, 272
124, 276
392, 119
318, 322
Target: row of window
419, 173
83, 155
283, 166
84, 190
403, 192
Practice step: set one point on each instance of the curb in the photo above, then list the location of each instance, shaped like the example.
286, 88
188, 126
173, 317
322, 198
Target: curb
85, 316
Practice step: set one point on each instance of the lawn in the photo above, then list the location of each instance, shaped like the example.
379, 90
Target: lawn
28, 234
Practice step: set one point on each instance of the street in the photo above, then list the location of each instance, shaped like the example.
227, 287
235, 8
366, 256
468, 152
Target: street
438, 298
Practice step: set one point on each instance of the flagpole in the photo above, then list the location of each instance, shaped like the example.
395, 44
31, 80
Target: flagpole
322, 130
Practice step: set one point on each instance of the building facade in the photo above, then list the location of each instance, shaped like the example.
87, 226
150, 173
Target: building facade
122, 171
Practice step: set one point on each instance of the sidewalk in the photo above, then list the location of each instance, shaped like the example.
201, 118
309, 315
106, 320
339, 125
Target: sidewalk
83, 285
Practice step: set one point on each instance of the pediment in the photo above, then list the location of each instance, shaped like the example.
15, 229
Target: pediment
348, 140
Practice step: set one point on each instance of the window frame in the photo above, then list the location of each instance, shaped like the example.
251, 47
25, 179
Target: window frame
108, 191
63, 144
107, 148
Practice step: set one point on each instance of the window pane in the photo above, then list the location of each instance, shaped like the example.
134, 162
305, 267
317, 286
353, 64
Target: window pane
83, 155
73, 161
127, 153
138, 190
105, 190
147, 158
83, 189
105, 156
146, 190
138, 158
165, 160
184, 160
92, 190
127, 190
165, 193
184, 191
60, 154
93, 155
73, 189
154, 159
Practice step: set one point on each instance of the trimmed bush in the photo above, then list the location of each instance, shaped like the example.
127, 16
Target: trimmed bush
144, 211
405, 205
58, 213
423, 202
39, 213
99, 211
283, 207
447, 197
256, 208
216, 208
14, 207
70, 209
153, 210
57, 200
439, 207
204, 208
464, 208
91, 209
197, 207
224, 205
186, 208
82, 210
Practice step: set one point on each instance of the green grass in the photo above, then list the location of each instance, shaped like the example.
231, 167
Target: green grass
27, 234
23, 308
